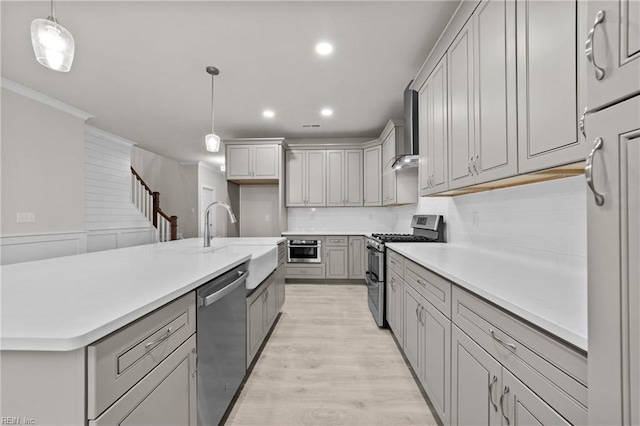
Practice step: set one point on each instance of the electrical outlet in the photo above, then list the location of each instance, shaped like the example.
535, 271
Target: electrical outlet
25, 217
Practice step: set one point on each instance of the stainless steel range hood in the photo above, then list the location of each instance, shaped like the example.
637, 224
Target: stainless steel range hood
410, 154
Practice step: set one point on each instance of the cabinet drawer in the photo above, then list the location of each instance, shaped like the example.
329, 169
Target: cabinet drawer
118, 361
553, 370
312, 271
432, 287
395, 262
337, 241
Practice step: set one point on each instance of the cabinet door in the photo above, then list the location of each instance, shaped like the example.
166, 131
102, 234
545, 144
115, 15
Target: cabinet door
390, 302
413, 331
388, 174
495, 90
271, 304
239, 162
398, 298
523, 407
337, 263
616, 49
295, 178
356, 258
315, 178
335, 178
438, 141
613, 238
549, 58
266, 161
255, 327
353, 177
165, 396
425, 131
461, 108
281, 280
436, 374
475, 383
372, 176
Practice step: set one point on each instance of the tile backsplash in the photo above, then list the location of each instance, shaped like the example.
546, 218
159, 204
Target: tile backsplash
546, 220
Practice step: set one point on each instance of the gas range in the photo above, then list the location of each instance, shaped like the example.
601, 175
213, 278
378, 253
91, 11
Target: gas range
426, 229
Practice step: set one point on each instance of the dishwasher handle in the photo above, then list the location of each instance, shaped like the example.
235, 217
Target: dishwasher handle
214, 297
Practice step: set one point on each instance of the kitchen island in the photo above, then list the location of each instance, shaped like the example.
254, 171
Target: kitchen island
53, 310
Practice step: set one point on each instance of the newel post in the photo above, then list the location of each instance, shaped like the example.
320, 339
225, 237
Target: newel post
156, 207
173, 220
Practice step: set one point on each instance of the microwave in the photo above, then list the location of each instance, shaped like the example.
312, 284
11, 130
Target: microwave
304, 251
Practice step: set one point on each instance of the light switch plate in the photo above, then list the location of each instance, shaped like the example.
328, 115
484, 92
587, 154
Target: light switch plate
25, 217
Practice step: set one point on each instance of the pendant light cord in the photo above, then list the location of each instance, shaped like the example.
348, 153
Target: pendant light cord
53, 11
212, 110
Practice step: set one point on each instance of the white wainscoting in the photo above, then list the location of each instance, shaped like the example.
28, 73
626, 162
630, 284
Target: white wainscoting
108, 239
25, 248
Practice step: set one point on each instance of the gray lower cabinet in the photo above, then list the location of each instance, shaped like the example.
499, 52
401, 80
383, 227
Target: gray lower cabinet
262, 309
413, 334
166, 396
436, 366
336, 262
475, 383
357, 267
395, 305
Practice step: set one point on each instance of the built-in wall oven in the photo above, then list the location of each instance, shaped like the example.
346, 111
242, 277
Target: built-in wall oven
426, 228
304, 251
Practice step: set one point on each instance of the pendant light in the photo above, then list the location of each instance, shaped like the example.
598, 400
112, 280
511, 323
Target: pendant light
52, 43
212, 141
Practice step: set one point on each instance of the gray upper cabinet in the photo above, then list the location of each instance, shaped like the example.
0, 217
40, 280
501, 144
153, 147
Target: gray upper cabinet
433, 131
398, 186
613, 237
461, 108
372, 176
344, 178
550, 96
305, 178
251, 162
496, 153
388, 175
614, 69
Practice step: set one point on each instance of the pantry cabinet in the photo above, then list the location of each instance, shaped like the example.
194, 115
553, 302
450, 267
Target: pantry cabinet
344, 178
433, 130
373, 176
613, 243
305, 178
613, 51
253, 162
551, 95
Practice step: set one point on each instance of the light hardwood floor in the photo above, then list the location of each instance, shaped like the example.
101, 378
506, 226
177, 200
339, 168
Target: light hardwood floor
327, 363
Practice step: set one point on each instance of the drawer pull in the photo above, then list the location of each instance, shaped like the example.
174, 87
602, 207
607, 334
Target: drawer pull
493, 382
160, 340
393, 262
422, 283
506, 391
502, 342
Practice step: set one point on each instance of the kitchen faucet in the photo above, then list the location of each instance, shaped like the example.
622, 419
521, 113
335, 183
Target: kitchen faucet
207, 232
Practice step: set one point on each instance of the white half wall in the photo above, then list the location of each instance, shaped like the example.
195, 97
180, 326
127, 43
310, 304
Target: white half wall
25, 248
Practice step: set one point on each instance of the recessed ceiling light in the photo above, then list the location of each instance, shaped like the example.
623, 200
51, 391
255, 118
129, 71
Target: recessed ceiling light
326, 112
267, 113
324, 48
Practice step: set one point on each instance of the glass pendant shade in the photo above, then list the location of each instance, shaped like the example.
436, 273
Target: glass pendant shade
212, 142
52, 44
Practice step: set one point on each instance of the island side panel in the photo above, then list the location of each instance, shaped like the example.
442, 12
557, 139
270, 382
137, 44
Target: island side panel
43, 388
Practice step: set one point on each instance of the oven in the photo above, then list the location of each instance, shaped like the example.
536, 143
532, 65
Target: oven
375, 280
304, 251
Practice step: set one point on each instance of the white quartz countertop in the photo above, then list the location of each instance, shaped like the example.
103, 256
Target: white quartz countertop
550, 296
69, 302
359, 233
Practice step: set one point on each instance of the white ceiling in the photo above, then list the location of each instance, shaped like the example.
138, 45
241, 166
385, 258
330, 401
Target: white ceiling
139, 67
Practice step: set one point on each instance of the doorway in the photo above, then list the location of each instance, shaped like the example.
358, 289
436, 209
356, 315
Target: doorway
207, 196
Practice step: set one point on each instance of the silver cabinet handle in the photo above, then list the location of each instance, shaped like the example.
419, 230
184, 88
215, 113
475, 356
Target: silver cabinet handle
160, 340
493, 382
588, 45
417, 306
588, 172
502, 342
422, 283
504, 393
475, 165
581, 123
420, 319
470, 164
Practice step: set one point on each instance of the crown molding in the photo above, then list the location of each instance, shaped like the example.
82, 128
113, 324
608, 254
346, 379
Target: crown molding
43, 99
106, 136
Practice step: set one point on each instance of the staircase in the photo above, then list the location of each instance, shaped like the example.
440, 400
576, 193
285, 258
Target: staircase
148, 203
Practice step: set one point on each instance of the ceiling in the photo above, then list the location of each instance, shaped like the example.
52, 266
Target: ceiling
139, 67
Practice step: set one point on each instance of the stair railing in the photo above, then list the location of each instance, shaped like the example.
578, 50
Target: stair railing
148, 203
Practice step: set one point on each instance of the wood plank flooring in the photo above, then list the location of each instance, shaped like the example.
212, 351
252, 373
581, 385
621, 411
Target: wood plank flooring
327, 363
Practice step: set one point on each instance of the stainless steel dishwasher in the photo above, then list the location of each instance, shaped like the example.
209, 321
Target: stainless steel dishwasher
221, 341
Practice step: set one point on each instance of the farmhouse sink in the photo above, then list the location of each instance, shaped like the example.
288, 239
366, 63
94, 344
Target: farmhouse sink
264, 260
